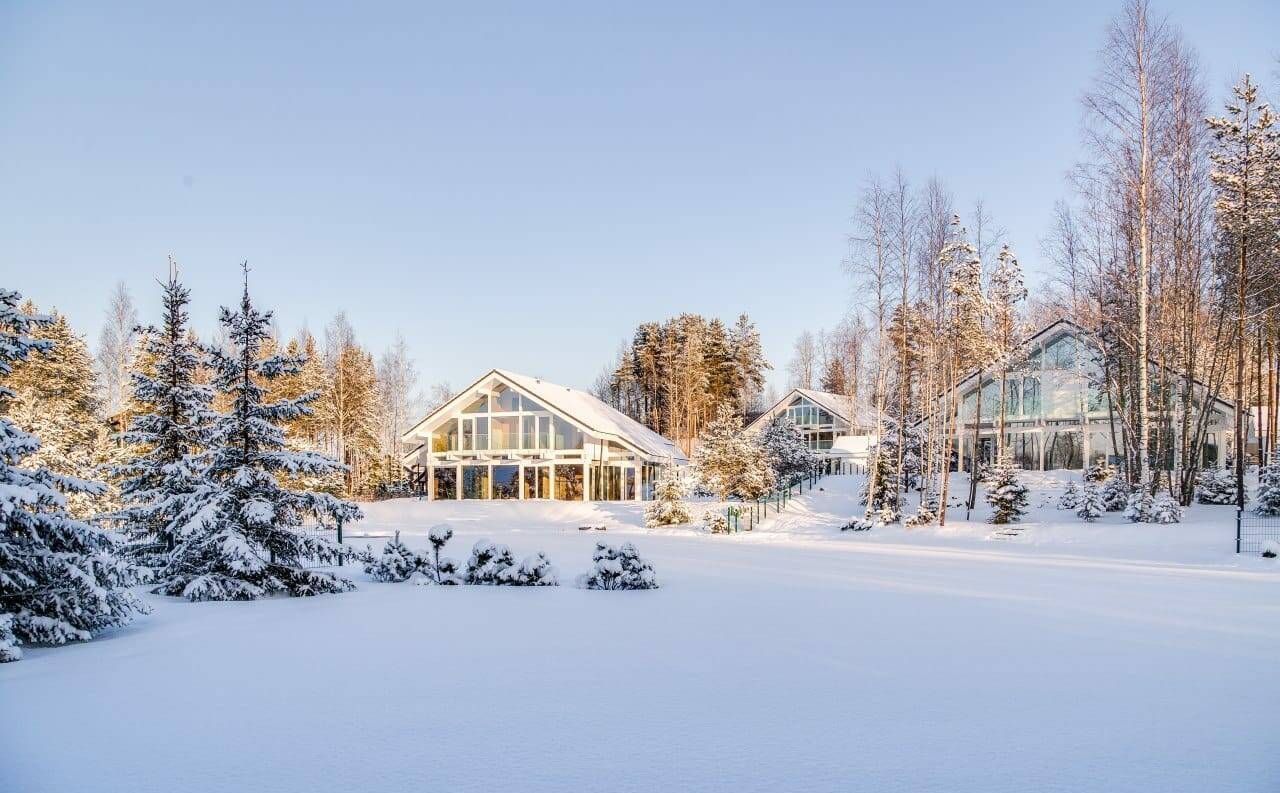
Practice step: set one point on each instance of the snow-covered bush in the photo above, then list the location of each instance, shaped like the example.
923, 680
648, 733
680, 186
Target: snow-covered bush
492, 564
535, 570
1005, 493
668, 507
1165, 510
487, 561
859, 524
1140, 507
1070, 498
1091, 504
1099, 472
396, 563
618, 568
1269, 488
1271, 549
1216, 486
714, 521
443, 570
926, 514
1115, 494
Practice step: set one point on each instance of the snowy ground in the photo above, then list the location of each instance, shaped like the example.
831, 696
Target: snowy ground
1075, 658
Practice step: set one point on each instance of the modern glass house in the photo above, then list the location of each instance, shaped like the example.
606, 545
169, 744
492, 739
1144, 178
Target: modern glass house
832, 425
510, 436
1056, 416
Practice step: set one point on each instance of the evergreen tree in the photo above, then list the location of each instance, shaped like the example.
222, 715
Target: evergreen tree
668, 507
618, 568
60, 579
729, 461
396, 563
1216, 486
54, 398
1140, 507
1115, 494
1165, 510
1006, 495
163, 488
247, 541
1092, 506
1269, 488
785, 448
443, 570
1070, 498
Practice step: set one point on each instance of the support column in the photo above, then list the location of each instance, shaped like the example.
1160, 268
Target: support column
457, 482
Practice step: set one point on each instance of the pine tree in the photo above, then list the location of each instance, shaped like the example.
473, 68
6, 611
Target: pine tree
1216, 486
54, 398
247, 541
1092, 506
1269, 488
1006, 495
1165, 510
785, 448
1115, 494
162, 487
1070, 498
618, 568
60, 579
668, 507
731, 462
1140, 507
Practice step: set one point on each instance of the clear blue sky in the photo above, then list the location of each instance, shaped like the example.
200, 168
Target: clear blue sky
520, 185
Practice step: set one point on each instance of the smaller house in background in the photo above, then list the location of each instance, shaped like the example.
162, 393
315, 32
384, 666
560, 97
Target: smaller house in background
836, 428
511, 436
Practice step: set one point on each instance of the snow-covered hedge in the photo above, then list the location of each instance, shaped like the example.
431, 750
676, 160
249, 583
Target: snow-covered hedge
618, 568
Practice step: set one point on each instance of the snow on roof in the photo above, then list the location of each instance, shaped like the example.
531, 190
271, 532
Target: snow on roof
595, 415
839, 405
583, 408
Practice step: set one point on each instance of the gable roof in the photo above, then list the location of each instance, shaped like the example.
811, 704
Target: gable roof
584, 409
838, 405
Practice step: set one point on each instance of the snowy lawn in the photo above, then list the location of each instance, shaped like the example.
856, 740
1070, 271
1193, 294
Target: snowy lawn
1108, 657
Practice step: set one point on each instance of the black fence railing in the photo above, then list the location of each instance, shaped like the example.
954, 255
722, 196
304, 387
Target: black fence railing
1253, 531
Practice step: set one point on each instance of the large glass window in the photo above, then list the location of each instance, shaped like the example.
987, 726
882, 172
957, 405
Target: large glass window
475, 481
445, 439
1064, 450
504, 432
544, 432
482, 433
606, 484
529, 432
537, 482
445, 483
567, 435
505, 400
529, 406
569, 482
468, 434
1031, 396
479, 405
506, 481
1061, 353
629, 484
1012, 396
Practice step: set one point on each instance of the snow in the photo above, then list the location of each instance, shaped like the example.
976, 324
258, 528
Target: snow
1074, 657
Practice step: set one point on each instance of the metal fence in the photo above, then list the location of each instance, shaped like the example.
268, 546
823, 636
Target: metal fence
1253, 531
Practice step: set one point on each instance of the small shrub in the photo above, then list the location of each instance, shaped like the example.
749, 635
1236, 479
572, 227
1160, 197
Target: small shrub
618, 568
1271, 550
486, 563
1140, 507
1165, 510
396, 563
535, 570
1091, 504
1006, 494
1099, 472
715, 522
926, 515
1115, 494
444, 571
1216, 486
1070, 498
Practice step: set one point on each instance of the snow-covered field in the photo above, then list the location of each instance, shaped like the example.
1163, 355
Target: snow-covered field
1074, 657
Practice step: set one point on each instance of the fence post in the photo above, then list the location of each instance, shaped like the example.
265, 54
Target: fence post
1238, 514
340, 530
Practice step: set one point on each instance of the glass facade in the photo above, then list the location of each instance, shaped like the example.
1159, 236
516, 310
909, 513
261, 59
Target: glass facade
569, 482
505, 432
444, 483
475, 481
567, 435
506, 481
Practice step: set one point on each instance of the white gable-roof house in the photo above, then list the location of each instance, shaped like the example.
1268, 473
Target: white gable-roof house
513, 436
836, 427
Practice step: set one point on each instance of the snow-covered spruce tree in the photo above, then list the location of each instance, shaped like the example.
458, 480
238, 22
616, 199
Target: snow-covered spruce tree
247, 540
668, 507
1165, 510
1070, 498
60, 579
1269, 488
715, 521
535, 570
1216, 486
1092, 506
443, 571
1005, 493
731, 462
486, 563
1140, 507
396, 563
1115, 494
618, 568
788, 454
1100, 471
163, 487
